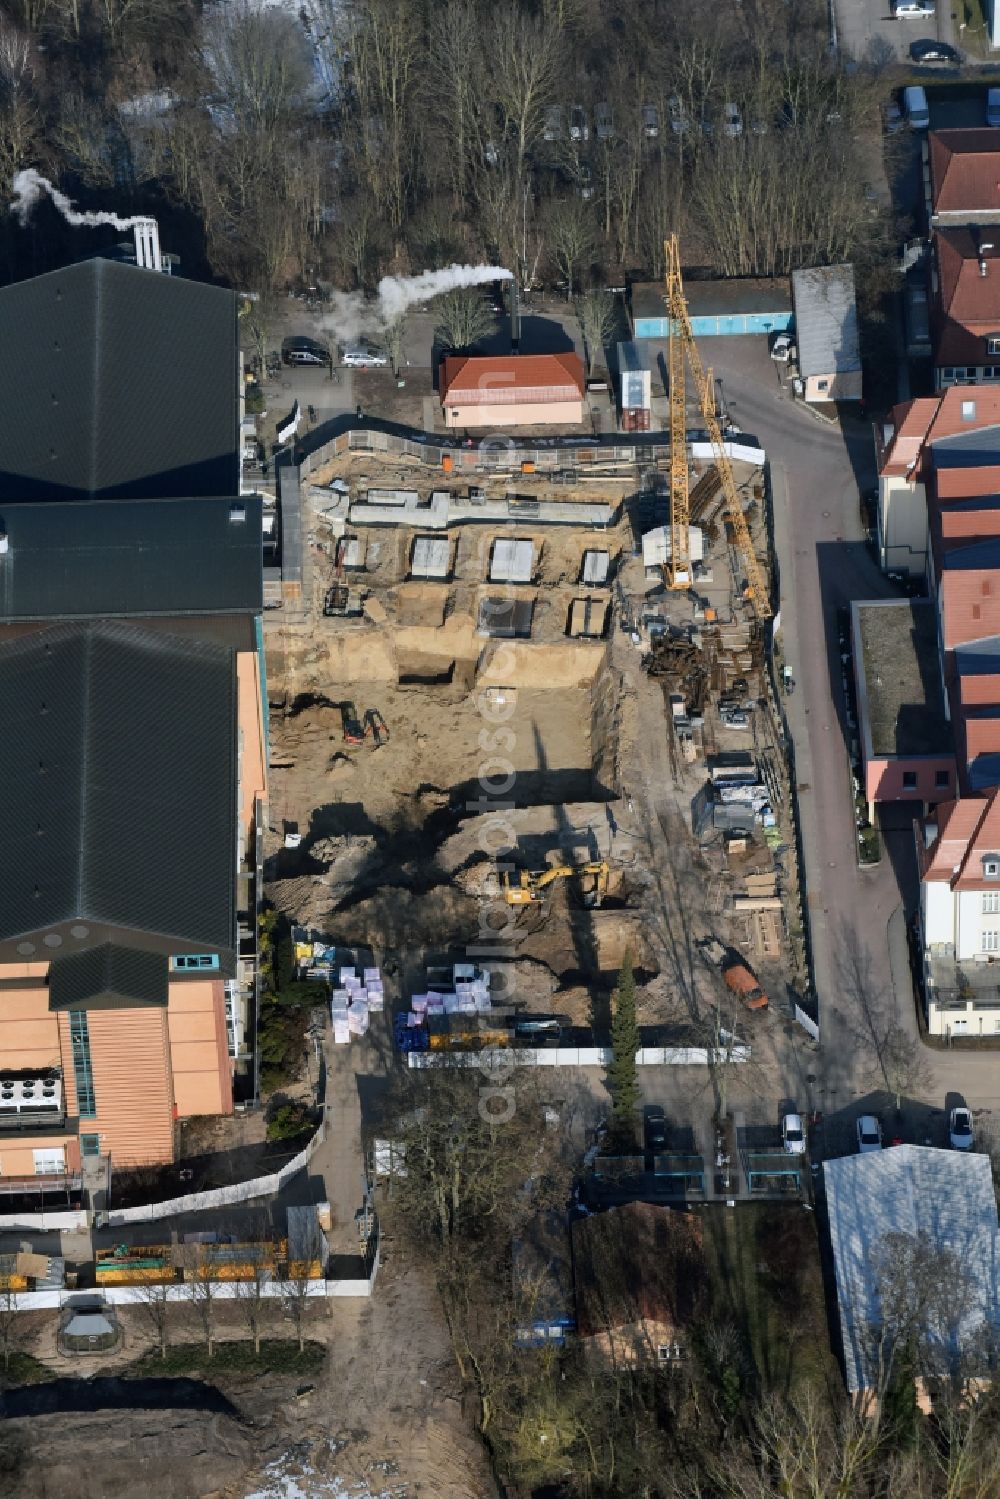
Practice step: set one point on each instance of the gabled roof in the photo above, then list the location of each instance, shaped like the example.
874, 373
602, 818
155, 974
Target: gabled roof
965, 171
930, 1200
968, 831
511, 379
117, 382
826, 320
967, 307
957, 822
98, 559
118, 763
637, 1263
108, 978
945, 421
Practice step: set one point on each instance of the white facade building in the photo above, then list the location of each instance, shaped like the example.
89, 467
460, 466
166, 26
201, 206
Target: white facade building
960, 917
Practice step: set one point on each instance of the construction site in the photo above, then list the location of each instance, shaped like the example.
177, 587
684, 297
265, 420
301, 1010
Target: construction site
507, 664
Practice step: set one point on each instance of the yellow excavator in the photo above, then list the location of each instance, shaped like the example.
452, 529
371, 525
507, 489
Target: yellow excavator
530, 884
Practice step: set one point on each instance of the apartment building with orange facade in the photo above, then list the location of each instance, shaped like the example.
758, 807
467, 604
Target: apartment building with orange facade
133, 756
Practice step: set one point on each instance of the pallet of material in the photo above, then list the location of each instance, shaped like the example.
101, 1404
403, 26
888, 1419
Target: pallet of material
757, 903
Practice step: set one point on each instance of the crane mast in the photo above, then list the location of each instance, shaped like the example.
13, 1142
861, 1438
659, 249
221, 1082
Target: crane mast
683, 348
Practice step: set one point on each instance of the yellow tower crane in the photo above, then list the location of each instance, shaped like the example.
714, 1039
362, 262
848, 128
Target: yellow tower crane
683, 348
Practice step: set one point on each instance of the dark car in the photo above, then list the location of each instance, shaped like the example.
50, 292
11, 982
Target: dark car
928, 50
656, 1129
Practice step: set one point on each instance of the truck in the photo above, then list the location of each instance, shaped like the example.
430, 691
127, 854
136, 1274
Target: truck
737, 977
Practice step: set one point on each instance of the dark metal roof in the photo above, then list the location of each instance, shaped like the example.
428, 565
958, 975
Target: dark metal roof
108, 978
89, 559
117, 382
118, 763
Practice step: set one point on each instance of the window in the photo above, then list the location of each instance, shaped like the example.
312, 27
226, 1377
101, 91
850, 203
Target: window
822, 385
187, 960
968, 408
79, 1036
991, 869
993, 344
49, 1162
90, 1144
991, 902
942, 778
909, 780
990, 941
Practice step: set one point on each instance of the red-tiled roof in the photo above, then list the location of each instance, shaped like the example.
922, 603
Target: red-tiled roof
970, 600
967, 309
981, 733
968, 483
960, 527
921, 422
965, 171
981, 691
957, 823
511, 378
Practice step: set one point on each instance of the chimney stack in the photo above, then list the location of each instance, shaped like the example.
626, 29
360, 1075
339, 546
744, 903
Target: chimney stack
984, 246
147, 245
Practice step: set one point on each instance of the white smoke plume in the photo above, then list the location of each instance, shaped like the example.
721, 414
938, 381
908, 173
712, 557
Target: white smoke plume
352, 314
30, 186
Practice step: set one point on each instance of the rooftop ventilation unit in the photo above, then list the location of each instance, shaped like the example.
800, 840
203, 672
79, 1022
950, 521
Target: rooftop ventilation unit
29, 1097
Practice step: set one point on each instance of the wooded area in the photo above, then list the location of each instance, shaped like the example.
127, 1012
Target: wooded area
362, 136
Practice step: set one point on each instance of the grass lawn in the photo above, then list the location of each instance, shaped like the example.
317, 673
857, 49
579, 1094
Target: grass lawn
765, 1279
231, 1358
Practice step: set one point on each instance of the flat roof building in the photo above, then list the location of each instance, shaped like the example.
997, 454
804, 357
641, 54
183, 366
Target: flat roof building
906, 742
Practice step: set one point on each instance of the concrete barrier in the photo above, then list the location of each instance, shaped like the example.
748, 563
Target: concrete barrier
72, 1220
195, 1202
503, 1060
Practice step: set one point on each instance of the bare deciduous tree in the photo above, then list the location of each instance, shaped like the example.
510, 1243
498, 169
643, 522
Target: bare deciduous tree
155, 1310
463, 318
596, 310
569, 227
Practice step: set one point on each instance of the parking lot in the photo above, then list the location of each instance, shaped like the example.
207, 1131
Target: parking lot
868, 32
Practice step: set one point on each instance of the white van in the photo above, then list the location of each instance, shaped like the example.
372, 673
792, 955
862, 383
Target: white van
913, 10
915, 108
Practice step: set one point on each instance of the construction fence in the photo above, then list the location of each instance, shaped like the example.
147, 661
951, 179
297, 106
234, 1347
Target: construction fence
505, 1059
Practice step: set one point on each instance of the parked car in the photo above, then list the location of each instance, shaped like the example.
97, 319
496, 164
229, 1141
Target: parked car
928, 50
912, 10
604, 124
793, 1136
655, 1129
553, 127
782, 348
960, 1129
759, 126
869, 1134
915, 106
650, 121
364, 357
732, 119
737, 977
298, 349
679, 122
993, 106
579, 130
585, 181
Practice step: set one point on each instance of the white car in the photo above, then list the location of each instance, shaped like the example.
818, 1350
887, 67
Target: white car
869, 1134
960, 1129
364, 357
793, 1136
783, 348
913, 10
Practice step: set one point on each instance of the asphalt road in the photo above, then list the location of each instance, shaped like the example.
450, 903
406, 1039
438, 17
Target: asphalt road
856, 916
